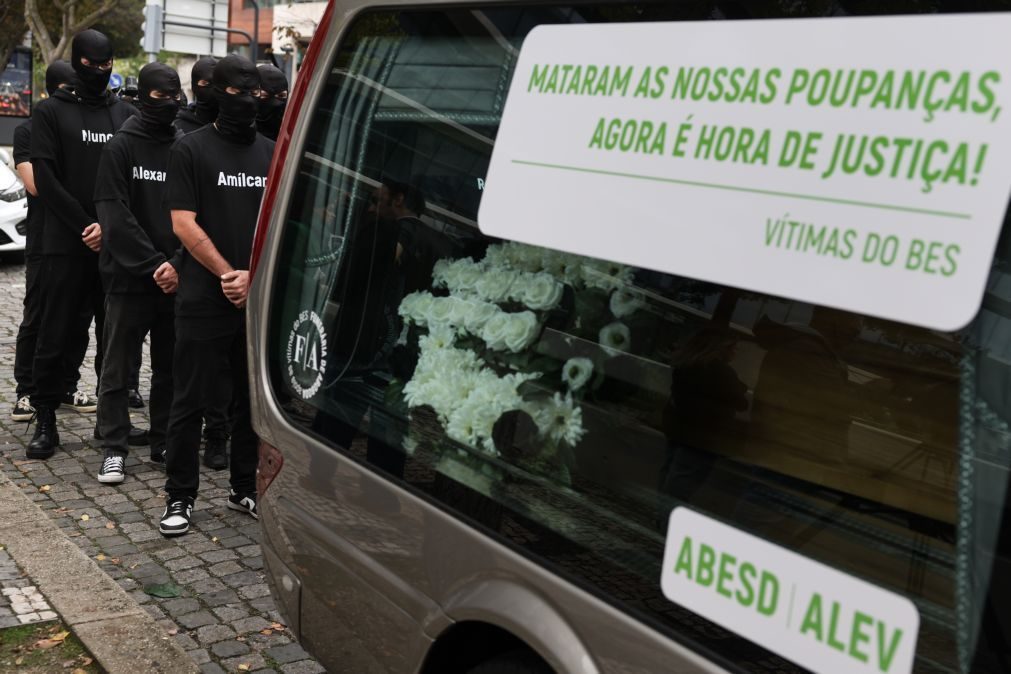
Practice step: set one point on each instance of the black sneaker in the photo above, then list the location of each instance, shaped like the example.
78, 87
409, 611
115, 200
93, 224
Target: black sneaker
23, 410
113, 470
175, 521
46, 438
158, 456
215, 454
80, 401
136, 400
245, 503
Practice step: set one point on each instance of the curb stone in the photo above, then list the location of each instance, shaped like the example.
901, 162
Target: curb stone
118, 632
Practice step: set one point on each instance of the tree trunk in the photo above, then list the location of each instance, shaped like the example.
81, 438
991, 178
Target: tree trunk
55, 47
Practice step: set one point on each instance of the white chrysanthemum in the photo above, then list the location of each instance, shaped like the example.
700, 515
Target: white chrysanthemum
576, 372
606, 275
560, 419
623, 303
615, 337
495, 257
540, 292
438, 337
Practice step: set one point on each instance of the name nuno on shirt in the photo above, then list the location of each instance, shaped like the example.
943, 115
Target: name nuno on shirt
94, 137
240, 180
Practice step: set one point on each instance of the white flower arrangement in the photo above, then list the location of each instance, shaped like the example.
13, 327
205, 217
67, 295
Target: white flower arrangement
467, 394
615, 337
576, 372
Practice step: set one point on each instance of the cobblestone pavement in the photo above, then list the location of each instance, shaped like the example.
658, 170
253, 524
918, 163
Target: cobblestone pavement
224, 617
20, 601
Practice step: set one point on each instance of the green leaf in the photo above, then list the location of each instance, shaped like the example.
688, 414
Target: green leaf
164, 591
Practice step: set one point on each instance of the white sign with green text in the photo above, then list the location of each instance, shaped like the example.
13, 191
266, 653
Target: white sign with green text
858, 163
805, 611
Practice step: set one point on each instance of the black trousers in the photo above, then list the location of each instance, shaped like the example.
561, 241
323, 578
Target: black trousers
71, 297
203, 348
28, 332
128, 318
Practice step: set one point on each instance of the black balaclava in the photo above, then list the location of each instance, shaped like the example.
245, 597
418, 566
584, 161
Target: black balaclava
206, 108
157, 115
58, 72
270, 111
236, 112
95, 47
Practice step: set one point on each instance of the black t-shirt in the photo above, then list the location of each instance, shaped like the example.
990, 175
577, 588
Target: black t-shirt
222, 181
22, 148
129, 196
68, 136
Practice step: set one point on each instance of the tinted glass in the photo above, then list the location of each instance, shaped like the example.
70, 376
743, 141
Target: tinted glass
565, 405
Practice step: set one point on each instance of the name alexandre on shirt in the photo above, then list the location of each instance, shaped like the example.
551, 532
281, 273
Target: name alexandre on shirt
141, 173
240, 180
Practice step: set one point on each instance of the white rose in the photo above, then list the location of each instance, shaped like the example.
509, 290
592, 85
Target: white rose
440, 310
494, 331
459, 310
439, 273
576, 372
479, 314
521, 330
615, 337
493, 286
468, 275
624, 303
541, 292
416, 307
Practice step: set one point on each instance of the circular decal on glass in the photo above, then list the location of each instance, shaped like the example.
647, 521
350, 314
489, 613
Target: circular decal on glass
306, 354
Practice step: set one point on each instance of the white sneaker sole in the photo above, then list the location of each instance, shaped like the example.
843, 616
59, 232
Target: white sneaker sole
111, 479
241, 509
22, 417
173, 532
83, 409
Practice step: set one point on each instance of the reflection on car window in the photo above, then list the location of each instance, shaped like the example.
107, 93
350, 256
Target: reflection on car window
567, 404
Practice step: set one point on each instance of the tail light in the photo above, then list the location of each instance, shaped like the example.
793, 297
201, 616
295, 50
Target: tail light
295, 100
271, 461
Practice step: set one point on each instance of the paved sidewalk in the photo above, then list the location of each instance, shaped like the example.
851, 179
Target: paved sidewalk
21, 603
224, 617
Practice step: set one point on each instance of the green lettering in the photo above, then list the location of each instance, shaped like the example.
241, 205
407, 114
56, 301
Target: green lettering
746, 575
704, 572
598, 135
833, 624
858, 636
537, 78
725, 574
812, 618
684, 562
885, 655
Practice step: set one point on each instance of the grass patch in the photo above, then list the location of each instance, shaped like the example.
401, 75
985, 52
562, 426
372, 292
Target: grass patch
43, 648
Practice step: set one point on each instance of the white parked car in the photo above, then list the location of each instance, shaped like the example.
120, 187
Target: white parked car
13, 211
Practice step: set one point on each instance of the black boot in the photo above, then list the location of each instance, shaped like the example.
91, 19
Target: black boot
46, 438
215, 454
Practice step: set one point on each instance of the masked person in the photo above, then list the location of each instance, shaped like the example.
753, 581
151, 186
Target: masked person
215, 181
273, 99
68, 135
59, 76
139, 260
204, 109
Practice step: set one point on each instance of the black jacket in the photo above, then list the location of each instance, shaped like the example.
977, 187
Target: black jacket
136, 226
68, 136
